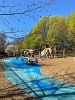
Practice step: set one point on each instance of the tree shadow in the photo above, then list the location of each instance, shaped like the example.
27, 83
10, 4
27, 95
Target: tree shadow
42, 87
14, 92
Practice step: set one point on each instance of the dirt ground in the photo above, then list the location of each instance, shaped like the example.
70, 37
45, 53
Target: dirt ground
62, 69
8, 91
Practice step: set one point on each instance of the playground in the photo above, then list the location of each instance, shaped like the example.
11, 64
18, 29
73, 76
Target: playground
31, 80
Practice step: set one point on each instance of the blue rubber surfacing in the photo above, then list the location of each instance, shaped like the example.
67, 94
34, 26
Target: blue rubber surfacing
29, 79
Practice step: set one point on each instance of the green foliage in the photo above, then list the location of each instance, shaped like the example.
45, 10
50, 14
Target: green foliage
70, 20
37, 35
57, 30
19, 46
40, 27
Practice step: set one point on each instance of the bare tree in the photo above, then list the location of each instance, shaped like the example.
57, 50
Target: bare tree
2, 42
17, 13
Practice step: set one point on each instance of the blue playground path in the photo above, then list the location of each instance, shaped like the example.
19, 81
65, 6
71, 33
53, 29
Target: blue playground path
30, 79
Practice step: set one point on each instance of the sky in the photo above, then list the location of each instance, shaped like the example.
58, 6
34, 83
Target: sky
22, 24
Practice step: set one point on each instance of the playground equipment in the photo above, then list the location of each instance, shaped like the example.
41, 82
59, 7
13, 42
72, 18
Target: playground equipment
32, 62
